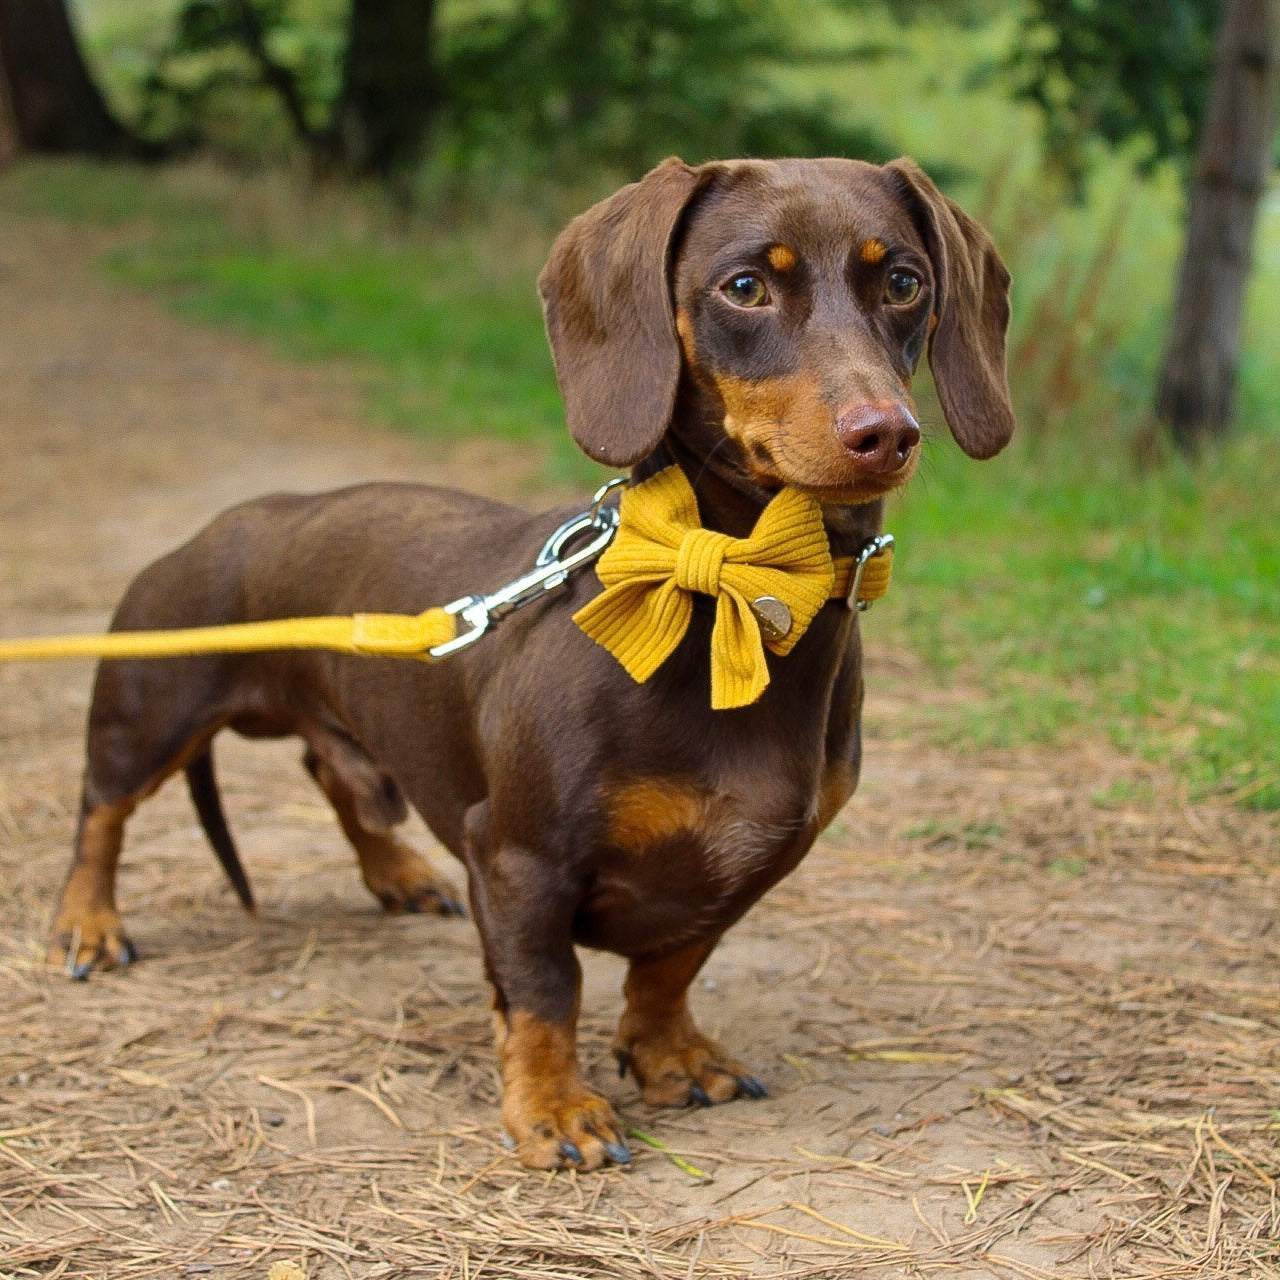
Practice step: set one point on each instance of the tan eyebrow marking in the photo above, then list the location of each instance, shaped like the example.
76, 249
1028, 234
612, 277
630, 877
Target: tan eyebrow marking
781, 258
873, 250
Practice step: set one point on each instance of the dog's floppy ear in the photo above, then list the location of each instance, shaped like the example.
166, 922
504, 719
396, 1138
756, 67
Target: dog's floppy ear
967, 346
606, 297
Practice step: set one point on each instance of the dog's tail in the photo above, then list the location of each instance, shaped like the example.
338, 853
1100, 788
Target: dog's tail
203, 786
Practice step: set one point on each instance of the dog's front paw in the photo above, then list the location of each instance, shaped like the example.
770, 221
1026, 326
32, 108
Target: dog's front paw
89, 940
575, 1129
682, 1067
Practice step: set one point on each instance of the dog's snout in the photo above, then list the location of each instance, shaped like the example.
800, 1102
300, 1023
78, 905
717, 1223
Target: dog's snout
880, 435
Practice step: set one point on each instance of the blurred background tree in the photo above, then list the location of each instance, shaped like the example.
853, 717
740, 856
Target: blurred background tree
1128, 70
390, 88
48, 101
1196, 396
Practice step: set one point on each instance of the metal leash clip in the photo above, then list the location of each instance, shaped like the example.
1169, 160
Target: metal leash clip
551, 570
869, 550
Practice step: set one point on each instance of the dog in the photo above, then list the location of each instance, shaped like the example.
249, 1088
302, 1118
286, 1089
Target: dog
748, 328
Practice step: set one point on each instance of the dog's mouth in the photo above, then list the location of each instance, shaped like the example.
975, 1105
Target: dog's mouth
832, 475
856, 496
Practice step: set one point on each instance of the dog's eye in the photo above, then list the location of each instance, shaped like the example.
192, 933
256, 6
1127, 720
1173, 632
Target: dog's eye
746, 290
901, 287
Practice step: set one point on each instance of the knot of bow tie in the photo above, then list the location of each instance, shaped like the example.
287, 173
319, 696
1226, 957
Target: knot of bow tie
782, 571
699, 560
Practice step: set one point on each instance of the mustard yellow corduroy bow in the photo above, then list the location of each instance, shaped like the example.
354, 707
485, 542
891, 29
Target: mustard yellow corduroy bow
661, 555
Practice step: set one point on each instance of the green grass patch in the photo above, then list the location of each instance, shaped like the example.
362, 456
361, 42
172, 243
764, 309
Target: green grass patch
1084, 596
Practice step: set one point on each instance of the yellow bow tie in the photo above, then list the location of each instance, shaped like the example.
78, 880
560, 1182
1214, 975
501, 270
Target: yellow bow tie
661, 555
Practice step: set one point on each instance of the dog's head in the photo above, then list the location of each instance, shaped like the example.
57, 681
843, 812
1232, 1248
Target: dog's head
773, 313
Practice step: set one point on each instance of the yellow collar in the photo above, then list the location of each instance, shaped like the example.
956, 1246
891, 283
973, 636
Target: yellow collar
768, 586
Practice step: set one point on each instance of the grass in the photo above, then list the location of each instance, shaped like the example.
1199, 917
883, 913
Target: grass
1085, 597
1081, 592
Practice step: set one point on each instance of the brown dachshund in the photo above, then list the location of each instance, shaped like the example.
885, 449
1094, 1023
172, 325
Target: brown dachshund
754, 323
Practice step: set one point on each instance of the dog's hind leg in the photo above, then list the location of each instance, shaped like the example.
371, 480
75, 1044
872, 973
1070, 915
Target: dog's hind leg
369, 805
146, 722
88, 933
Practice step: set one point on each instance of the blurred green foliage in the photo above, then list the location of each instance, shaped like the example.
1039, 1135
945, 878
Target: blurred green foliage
549, 86
204, 85
562, 83
545, 85
1119, 70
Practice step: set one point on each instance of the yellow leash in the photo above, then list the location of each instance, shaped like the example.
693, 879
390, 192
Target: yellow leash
774, 600
374, 634
427, 636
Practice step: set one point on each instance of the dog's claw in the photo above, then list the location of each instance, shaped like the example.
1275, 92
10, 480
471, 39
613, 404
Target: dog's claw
752, 1087
450, 906
79, 972
618, 1152
624, 1063
570, 1152
698, 1096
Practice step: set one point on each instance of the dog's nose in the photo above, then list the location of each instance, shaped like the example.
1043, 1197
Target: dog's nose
880, 435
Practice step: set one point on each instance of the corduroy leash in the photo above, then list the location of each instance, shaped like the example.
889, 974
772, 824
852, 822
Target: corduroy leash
652, 557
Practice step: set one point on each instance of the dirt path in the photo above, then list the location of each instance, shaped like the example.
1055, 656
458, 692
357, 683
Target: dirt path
1012, 1027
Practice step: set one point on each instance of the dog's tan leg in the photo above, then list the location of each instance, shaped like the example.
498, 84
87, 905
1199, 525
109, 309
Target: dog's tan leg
550, 1115
524, 917
88, 933
368, 806
673, 1062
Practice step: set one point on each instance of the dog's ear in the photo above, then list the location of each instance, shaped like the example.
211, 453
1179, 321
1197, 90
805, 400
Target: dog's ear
606, 297
967, 346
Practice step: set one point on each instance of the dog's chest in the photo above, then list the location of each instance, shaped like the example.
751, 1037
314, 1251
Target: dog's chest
681, 860
727, 835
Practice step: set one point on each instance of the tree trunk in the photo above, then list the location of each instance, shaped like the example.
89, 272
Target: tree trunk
1195, 399
8, 125
53, 104
390, 91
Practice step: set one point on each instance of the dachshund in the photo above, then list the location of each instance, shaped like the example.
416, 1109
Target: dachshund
749, 327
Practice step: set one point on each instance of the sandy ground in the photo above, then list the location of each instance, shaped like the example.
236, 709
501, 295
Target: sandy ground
1019, 1012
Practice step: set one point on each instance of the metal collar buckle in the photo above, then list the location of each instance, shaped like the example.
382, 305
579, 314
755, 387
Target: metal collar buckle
551, 570
869, 550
